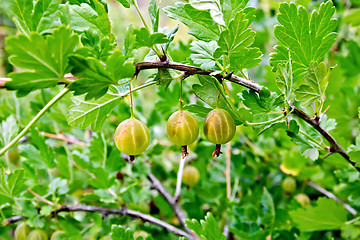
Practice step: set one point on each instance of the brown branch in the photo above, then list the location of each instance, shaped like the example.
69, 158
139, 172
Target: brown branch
63, 138
106, 211
331, 195
192, 70
156, 184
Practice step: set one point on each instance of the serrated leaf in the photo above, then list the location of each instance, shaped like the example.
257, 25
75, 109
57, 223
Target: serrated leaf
154, 15
234, 42
41, 16
95, 78
8, 130
351, 62
306, 40
145, 39
213, 6
284, 79
208, 91
326, 215
102, 179
46, 59
316, 81
101, 47
98, 150
262, 102
84, 113
12, 185
231, 7
200, 22
208, 230
47, 155
204, 54
163, 78
90, 18
119, 233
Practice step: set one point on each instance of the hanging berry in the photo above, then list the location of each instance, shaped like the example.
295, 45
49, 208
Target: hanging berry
219, 128
182, 129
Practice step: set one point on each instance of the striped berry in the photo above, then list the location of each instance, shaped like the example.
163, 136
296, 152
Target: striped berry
132, 137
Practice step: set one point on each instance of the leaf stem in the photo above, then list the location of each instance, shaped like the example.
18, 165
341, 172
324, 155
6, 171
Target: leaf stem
312, 140
266, 122
181, 93
140, 15
34, 120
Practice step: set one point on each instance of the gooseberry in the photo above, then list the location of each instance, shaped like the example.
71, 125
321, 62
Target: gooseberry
21, 231
182, 129
37, 234
191, 176
303, 199
132, 137
219, 128
289, 184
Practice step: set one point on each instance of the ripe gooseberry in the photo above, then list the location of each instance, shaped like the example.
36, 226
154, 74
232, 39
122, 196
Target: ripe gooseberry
21, 231
182, 129
219, 128
37, 234
303, 199
56, 234
191, 176
132, 137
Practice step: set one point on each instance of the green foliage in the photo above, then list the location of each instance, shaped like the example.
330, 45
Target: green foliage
319, 218
68, 157
45, 68
207, 229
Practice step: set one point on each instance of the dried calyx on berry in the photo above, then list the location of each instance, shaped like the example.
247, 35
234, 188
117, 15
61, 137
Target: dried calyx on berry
182, 129
219, 128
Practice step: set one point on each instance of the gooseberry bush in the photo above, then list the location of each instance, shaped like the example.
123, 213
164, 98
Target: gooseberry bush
111, 110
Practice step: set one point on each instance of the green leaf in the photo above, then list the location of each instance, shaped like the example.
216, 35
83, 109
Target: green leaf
119, 233
154, 15
231, 7
201, 24
12, 185
351, 62
45, 68
302, 39
126, 3
102, 179
316, 81
262, 102
84, 113
40, 16
268, 208
234, 42
208, 91
204, 54
208, 230
284, 79
95, 78
201, 111
8, 130
326, 215
145, 39
163, 78
87, 18
213, 6
47, 155
98, 150
101, 47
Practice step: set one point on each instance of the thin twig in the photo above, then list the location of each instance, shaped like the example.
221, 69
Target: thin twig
106, 211
179, 179
40, 198
180, 214
63, 138
227, 172
331, 195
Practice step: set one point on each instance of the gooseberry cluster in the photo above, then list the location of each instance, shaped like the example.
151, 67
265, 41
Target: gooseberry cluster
132, 137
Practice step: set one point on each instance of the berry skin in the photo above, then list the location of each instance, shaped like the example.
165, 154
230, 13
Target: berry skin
56, 234
191, 176
303, 199
37, 235
289, 184
21, 231
132, 137
182, 129
219, 128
